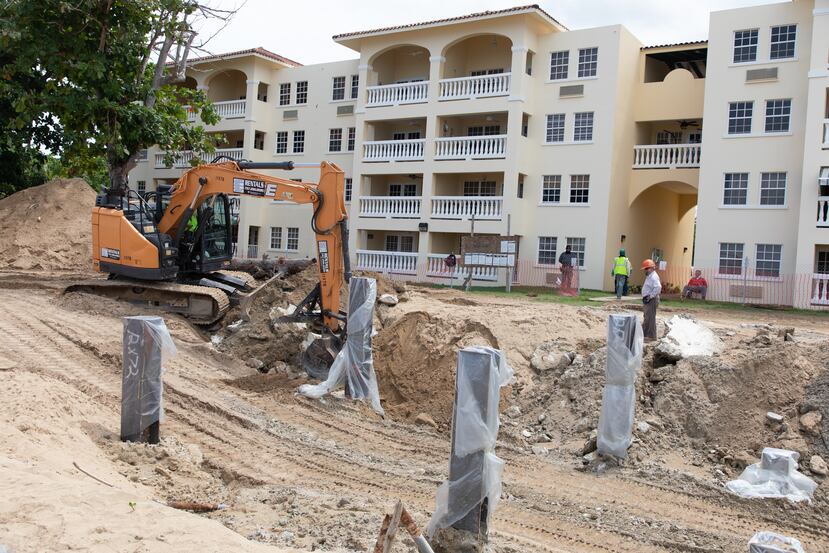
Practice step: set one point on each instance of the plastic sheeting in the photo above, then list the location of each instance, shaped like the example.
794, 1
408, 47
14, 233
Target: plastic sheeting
475, 470
769, 542
147, 346
775, 476
354, 365
624, 357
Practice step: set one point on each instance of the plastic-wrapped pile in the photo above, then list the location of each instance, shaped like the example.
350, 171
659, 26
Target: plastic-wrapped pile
475, 430
354, 365
624, 357
769, 542
775, 476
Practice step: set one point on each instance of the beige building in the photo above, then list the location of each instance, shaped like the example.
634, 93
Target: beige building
561, 137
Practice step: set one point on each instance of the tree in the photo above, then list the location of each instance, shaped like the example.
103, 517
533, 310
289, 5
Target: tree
92, 80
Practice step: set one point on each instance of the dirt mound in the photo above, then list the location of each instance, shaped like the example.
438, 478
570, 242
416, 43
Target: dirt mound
47, 227
416, 358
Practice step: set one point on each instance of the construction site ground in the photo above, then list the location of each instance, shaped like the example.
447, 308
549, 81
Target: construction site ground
305, 475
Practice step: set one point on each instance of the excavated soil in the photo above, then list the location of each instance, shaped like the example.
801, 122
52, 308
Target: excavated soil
48, 227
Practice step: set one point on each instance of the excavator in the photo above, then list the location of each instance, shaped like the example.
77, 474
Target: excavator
171, 248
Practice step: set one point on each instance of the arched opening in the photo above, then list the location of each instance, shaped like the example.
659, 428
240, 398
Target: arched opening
226, 85
188, 83
662, 225
402, 64
477, 55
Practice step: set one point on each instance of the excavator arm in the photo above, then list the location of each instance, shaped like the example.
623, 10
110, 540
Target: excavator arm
327, 197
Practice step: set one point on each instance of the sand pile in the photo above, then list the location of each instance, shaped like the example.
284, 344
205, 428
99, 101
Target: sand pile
416, 357
48, 227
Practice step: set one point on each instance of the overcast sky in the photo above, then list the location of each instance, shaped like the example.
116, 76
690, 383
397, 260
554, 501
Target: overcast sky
302, 30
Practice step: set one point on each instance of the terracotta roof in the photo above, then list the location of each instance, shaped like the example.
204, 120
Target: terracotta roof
260, 51
691, 43
516, 9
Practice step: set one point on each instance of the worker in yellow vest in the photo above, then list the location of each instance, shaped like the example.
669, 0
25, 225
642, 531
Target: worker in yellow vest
620, 272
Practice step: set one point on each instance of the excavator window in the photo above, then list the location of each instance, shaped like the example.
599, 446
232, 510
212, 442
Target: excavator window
217, 229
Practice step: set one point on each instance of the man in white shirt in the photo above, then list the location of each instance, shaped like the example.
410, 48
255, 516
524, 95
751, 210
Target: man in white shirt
650, 299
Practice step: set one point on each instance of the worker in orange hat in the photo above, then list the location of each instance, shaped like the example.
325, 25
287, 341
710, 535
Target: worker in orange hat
650, 298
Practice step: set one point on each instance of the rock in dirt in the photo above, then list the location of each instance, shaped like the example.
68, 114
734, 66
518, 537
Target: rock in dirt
425, 420
547, 357
774, 418
388, 299
818, 466
642, 427
686, 337
254, 363
450, 540
810, 423
591, 444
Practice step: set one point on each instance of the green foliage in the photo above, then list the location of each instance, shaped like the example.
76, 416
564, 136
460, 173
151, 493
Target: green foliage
78, 78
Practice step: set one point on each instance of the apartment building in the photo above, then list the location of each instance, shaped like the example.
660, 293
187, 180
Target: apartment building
561, 137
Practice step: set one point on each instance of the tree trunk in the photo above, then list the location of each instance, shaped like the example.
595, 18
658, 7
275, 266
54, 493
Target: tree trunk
119, 171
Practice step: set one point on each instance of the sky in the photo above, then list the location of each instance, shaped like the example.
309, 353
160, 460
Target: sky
302, 30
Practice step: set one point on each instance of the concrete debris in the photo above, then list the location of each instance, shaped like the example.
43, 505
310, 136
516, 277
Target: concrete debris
686, 337
235, 326
540, 450
591, 444
818, 466
526, 433
775, 476
774, 417
642, 427
254, 363
388, 299
514, 411
810, 423
547, 357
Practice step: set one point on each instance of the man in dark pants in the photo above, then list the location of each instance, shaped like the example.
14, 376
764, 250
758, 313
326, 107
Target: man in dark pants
650, 299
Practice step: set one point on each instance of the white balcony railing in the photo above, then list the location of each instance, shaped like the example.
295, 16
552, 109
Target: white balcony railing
393, 94
437, 268
463, 207
471, 147
183, 159
820, 289
394, 207
253, 251
826, 133
230, 109
387, 262
823, 211
394, 150
482, 86
666, 156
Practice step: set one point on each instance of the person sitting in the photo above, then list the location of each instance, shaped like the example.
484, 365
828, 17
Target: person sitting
697, 285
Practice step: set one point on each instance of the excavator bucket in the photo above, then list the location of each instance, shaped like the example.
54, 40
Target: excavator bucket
320, 354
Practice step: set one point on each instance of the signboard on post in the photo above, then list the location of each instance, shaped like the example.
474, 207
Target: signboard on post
489, 250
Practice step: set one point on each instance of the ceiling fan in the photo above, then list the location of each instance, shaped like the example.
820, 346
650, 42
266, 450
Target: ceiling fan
684, 124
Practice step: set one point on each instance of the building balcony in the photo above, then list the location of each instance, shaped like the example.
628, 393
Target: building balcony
436, 268
820, 289
394, 150
396, 94
464, 207
390, 207
823, 211
826, 134
466, 88
471, 147
403, 263
184, 158
666, 156
231, 109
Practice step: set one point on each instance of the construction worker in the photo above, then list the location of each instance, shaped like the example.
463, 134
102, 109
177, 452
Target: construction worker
192, 223
650, 299
567, 261
620, 272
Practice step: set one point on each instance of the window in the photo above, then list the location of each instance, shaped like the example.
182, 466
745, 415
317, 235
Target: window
782, 42
668, 137
558, 65
407, 189
547, 250
348, 189
583, 129
555, 127
276, 238
822, 263
579, 189
259, 140
577, 246
282, 142
302, 92
338, 92
487, 130
778, 113
141, 186
352, 133
299, 142
284, 94
745, 45
731, 258
481, 72
739, 117
520, 189
768, 260
142, 155
735, 189
695, 137
773, 188
479, 188
588, 62
293, 239
551, 189
355, 85
398, 243
335, 140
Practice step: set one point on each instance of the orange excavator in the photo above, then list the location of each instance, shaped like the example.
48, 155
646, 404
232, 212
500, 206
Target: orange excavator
171, 249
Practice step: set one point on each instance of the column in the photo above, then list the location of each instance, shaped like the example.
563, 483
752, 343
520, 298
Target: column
253, 88
519, 64
435, 74
364, 72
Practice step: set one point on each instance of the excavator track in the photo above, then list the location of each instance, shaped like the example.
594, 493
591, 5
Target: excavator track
200, 304
246, 277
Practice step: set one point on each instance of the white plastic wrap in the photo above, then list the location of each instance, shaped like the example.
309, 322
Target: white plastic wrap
147, 346
624, 357
475, 470
775, 476
769, 542
354, 365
